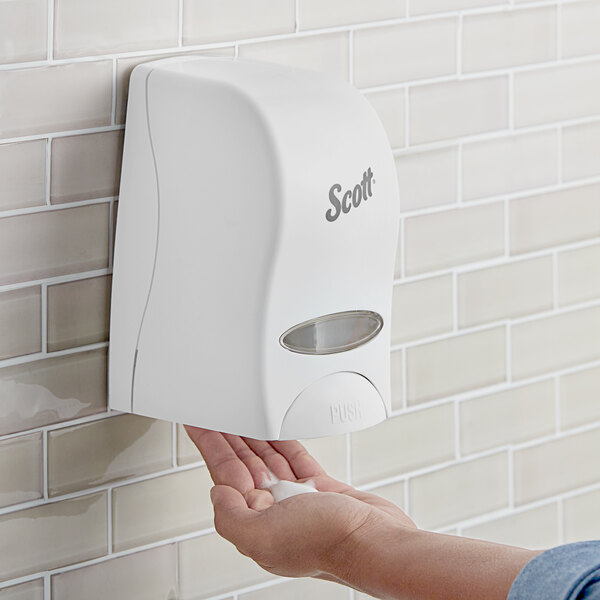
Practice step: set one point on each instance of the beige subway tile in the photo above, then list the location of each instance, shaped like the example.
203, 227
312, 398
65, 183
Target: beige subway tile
32, 590
459, 492
557, 466
389, 105
48, 391
508, 38
326, 52
509, 164
554, 218
418, 189
56, 98
224, 20
581, 517
396, 377
314, 14
105, 451
536, 528
556, 93
20, 322
84, 28
399, 254
86, 166
161, 508
186, 449
21, 468
78, 312
453, 237
126, 65
23, 31
580, 151
148, 575
455, 365
210, 565
331, 454
441, 111
430, 44
579, 275
299, 589
580, 398
555, 342
392, 492
51, 243
403, 443
580, 26
23, 173
506, 291
50, 536
509, 417
423, 7
422, 308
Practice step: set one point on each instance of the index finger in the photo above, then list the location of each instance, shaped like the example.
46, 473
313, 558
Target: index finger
302, 463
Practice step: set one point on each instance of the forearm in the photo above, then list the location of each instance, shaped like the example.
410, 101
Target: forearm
416, 565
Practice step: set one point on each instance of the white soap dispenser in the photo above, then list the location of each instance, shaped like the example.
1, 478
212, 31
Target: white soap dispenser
254, 253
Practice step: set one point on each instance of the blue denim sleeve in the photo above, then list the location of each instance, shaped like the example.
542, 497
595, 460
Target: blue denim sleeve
570, 572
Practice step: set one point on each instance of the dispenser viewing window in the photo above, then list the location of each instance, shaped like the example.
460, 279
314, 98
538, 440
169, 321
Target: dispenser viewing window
254, 251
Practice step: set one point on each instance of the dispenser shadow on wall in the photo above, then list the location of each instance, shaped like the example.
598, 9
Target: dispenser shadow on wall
254, 252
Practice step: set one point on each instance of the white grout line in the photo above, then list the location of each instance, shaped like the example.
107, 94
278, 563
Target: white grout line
65, 133
54, 280
27, 358
47, 587
52, 207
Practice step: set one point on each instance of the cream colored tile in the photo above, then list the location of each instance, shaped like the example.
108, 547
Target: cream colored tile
509, 164
581, 517
50, 536
23, 173
389, 106
104, 451
510, 417
48, 391
161, 508
314, 14
209, 565
224, 20
55, 98
418, 189
580, 151
578, 275
460, 491
557, 466
536, 528
403, 443
126, 65
300, 589
78, 312
21, 468
556, 93
441, 111
84, 28
554, 218
555, 342
580, 26
20, 322
455, 365
51, 243
23, 31
32, 590
580, 398
327, 53
399, 254
330, 453
392, 492
396, 376
148, 575
508, 38
86, 166
422, 7
186, 450
422, 308
454, 237
506, 291
430, 44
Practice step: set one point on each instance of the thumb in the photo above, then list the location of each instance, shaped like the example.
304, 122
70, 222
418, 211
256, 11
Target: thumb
233, 518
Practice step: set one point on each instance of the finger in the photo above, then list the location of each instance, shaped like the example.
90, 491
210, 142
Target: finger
301, 462
324, 483
272, 459
223, 463
233, 519
255, 465
259, 499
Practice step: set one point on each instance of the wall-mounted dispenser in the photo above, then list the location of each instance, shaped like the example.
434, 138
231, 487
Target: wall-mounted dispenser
254, 255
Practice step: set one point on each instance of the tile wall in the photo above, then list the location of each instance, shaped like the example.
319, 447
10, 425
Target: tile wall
493, 113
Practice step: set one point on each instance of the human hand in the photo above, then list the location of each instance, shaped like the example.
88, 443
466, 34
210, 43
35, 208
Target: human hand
311, 535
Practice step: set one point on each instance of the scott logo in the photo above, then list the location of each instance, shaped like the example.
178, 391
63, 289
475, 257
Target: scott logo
362, 191
343, 412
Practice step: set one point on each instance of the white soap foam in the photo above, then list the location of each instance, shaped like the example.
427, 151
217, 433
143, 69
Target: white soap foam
282, 489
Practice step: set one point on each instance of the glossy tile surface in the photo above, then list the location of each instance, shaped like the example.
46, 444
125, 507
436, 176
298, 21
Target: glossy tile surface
314, 14
422, 7
580, 26
396, 377
21, 468
389, 106
23, 31
580, 517
32, 590
299, 589
23, 174
186, 450
581, 148
330, 453
580, 398
579, 275
20, 322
